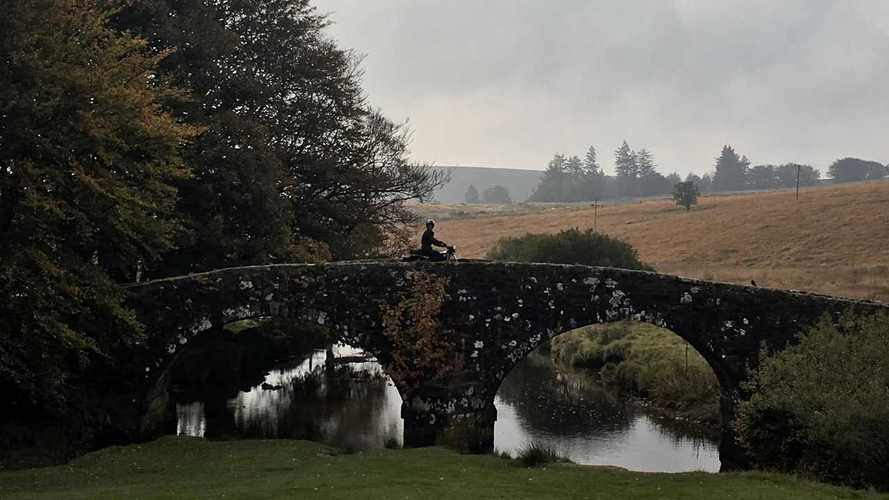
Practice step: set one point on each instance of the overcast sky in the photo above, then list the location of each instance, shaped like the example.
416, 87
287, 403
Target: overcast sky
508, 83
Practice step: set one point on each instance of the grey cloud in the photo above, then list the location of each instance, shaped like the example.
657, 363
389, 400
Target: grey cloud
510, 82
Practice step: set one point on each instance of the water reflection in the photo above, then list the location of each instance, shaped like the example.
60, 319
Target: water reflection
190, 420
332, 396
582, 421
342, 398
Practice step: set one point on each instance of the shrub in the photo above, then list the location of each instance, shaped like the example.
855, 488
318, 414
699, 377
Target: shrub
571, 246
685, 194
821, 407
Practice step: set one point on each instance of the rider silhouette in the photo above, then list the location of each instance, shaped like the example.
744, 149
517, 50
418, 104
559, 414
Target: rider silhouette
429, 240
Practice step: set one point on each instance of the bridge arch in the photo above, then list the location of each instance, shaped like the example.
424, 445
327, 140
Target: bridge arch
549, 372
487, 316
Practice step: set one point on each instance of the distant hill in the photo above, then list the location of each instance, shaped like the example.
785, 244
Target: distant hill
520, 183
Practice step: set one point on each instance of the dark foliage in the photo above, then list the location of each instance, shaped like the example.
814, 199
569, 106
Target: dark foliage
571, 246
685, 194
731, 171
496, 194
295, 164
170, 137
821, 407
89, 160
471, 195
781, 176
854, 169
571, 179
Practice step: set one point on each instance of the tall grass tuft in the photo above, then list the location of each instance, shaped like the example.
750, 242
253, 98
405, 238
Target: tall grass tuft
536, 454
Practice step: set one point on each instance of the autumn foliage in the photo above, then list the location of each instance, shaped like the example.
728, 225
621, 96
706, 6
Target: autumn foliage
420, 350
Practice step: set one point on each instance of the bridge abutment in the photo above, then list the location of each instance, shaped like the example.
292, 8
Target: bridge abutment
732, 456
461, 417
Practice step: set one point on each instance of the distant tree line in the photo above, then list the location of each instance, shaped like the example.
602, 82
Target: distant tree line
854, 169
572, 179
734, 173
493, 195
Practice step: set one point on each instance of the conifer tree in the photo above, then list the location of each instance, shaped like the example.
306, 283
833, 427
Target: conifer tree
731, 171
471, 195
590, 164
645, 164
553, 184
626, 170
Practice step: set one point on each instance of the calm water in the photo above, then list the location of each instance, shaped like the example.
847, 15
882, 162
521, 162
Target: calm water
353, 404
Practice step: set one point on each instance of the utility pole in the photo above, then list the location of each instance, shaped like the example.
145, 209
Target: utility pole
595, 215
797, 181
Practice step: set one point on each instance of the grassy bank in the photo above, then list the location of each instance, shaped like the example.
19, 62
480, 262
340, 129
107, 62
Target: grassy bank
192, 468
647, 361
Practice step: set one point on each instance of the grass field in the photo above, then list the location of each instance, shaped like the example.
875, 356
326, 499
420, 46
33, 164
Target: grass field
194, 468
833, 240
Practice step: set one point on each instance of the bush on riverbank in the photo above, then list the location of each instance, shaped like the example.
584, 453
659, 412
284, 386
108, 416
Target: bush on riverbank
647, 361
821, 407
571, 246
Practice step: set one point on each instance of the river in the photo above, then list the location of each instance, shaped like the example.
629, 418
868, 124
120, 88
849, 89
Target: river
350, 403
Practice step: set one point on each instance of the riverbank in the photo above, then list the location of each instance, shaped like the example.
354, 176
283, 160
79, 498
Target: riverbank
645, 361
194, 468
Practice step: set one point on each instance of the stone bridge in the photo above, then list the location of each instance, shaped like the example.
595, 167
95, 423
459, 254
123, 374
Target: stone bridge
448, 333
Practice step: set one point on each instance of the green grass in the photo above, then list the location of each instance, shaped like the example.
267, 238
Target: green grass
648, 361
193, 468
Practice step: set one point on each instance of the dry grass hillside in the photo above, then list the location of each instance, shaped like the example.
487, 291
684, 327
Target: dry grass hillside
834, 240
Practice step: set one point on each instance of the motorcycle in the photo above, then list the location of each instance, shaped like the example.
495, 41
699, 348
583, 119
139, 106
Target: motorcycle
449, 255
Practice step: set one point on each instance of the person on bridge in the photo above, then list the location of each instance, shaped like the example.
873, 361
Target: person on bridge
429, 241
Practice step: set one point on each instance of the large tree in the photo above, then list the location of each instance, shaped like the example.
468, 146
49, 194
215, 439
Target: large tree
88, 162
571, 179
650, 181
731, 171
591, 185
590, 163
855, 169
554, 183
645, 163
471, 195
786, 175
763, 177
295, 164
626, 169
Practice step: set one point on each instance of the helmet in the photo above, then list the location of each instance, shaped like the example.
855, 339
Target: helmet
430, 221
